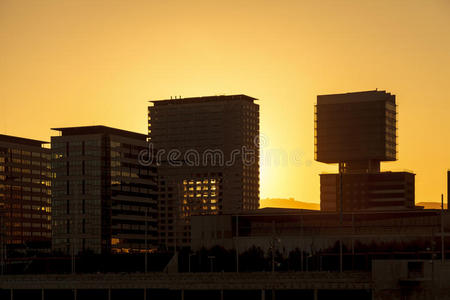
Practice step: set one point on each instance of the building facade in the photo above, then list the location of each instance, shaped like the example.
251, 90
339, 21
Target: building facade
25, 193
358, 131
104, 197
209, 159
367, 191
317, 231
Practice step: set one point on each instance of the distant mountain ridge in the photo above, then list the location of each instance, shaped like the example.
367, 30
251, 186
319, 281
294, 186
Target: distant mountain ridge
431, 205
292, 203
288, 203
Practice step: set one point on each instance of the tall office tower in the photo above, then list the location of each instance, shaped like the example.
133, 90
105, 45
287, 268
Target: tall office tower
25, 194
210, 159
104, 198
358, 131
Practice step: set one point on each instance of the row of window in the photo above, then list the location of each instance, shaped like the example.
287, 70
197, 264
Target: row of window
29, 216
27, 171
16, 189
29, 153
31, 233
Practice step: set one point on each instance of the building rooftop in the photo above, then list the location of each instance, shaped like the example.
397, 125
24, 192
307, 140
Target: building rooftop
363, 96
203, 99
99, 129
298, 212
21, 141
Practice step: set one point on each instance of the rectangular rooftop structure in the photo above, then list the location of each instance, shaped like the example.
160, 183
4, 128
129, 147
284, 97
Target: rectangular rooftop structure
203, 99
22, 141
99, 129
356, 128
356, 97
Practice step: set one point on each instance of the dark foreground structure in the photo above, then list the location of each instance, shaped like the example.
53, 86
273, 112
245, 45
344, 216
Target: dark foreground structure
389, 279
316, 232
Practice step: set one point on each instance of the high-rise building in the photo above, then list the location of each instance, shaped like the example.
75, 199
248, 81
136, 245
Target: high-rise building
25, 194
209, 159
104, 198
358, 131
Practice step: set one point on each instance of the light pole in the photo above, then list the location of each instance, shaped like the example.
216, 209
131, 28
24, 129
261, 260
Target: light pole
146, 244
442, 230
237, 245
274, 241
307, 261
72, 246
341, 209
211, 258
189, 262
2, 241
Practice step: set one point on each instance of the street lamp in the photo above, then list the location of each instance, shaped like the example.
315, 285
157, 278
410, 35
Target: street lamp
146, 242
2, 239
189, 262
211, 258
274, 240
307, 261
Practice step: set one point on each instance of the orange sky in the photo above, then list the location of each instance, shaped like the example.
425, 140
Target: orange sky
69, 63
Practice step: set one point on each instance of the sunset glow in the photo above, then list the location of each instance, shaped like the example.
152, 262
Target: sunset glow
73, 63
